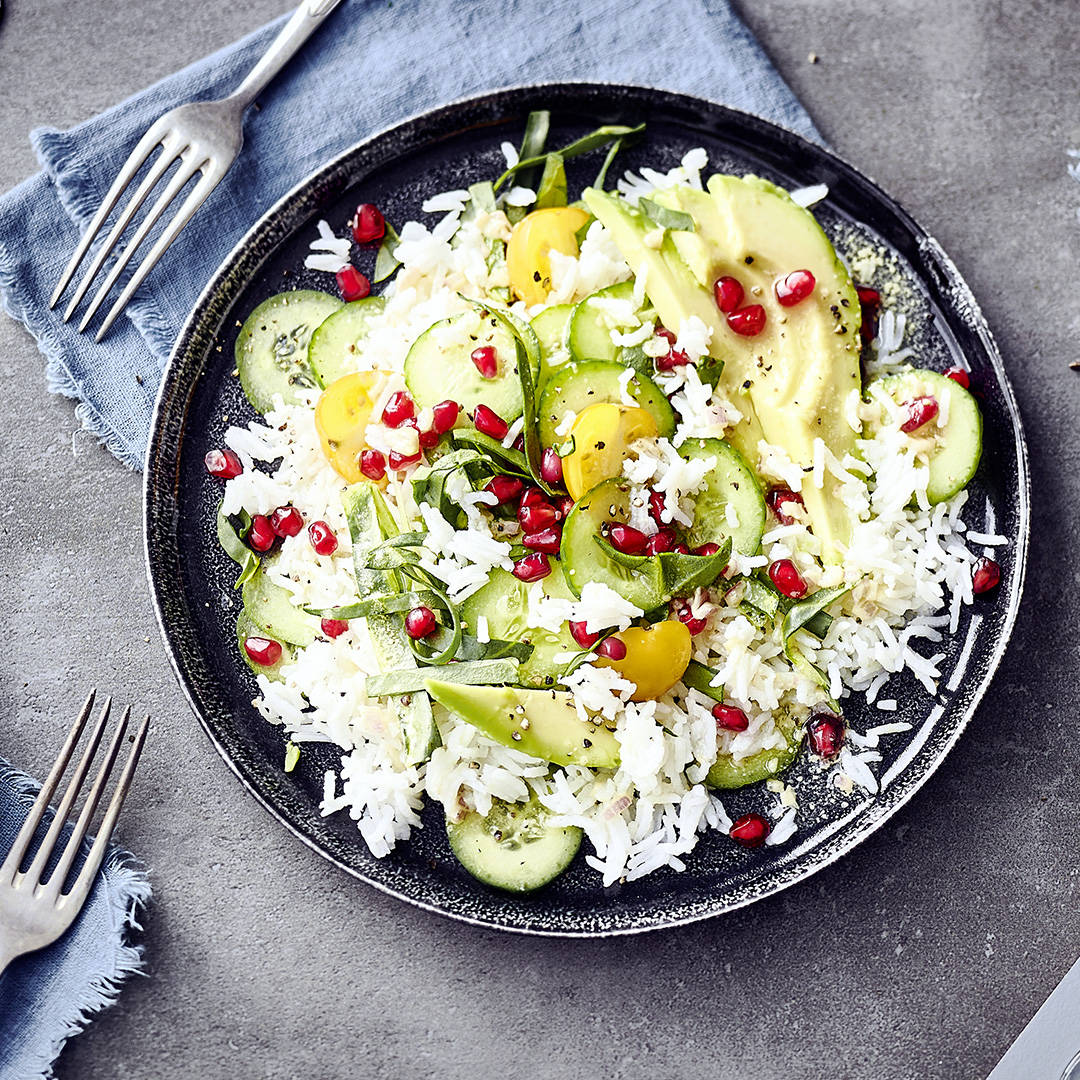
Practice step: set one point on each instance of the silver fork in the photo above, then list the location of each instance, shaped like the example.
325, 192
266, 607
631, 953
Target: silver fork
33, 912
204, 137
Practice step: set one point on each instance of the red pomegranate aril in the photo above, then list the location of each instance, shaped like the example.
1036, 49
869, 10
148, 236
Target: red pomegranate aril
373, 464
490, 422
656, 507
261, 535
730, 718
787, 579
352, 284
486, 361
421, 622
777, 498
368, 224
729, 294
582, 636
399, 410
748, 321
794, 288
958, 375
551, 466
563, 504
672, 359
428, 439
627, 539
663, 540
706, 549
223, 464
519, 443
869, 302
868, 297
826, 733
611, 648
546, 540
751, 830
322, 538
286, 521
400, 461
533, 494
264, 651
666, 334
334, 628
681, 549
535, 516
986, 577
532, 568
921, 410
685, 614
505, 488
444, 416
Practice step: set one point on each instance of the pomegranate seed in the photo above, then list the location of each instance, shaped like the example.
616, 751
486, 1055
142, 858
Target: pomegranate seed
334, 628
286, 521
666, 334
787, 579
486, 361
519, 443
322, 538
532, 568
685, 614
582, 636
777, 498
535, 516
794, 288
505, 488
428, 439
398, 461
533, 494
490, 422
373, 464
921, 410
826, 734
352, 284
986, 577
748, 321
681, 549
869, 301
444, 416
664, 540
261, 535
611, 648
421, 622
750, 830
551, 466
399, 409
868, 297
730, 718
672, 359
264, 651
368, 224
706, 549
223, 463
563, 504
958, 375
656, 507
729, 294
628, 540
546, 540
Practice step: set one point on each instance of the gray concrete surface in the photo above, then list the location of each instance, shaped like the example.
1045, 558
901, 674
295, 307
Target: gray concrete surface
922, 954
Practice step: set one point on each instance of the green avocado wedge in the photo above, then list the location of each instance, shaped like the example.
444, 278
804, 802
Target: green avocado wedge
541, 723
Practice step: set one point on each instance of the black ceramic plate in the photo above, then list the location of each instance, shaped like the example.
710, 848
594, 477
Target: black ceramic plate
449, 148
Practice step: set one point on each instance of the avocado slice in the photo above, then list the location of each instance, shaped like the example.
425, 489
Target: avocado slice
794, 378
541, 723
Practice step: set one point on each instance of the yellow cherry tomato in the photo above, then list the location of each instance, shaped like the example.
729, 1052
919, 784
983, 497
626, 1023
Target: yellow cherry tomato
533, 239
602, 435
342, 415
655, 660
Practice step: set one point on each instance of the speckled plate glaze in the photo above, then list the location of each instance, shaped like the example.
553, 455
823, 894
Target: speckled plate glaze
449, 148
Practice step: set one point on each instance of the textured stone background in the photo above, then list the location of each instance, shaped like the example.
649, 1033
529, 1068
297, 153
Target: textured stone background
922, 954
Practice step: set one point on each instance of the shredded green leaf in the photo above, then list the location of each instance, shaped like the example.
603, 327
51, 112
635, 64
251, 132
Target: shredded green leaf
798, 616
386, 262
673, 574
665, 218
699, 677
593, 141
292, 756
552, 189
411, 680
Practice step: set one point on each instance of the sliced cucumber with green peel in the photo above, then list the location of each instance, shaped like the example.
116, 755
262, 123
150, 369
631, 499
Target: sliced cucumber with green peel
272, 347
270, 606
335, 343
588, 334
513, 847
247, 627
577, 385
731, 482
954, 458
550, 328
727, 773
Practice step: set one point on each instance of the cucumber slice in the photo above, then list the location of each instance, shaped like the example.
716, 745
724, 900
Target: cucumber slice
727, 773
954, 456
731, 483
504, 602
272, 347
588, 334
440, 366
583, 560
270, 606
247, 627
577, 385
513, 847
550, 328
335, 343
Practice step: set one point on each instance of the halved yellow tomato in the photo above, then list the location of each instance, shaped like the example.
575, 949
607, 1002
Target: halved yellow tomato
655, 660
342, 415
534, 238
602, 435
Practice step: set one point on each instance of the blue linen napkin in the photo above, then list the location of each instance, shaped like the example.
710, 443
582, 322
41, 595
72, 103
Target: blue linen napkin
372, 64
48, 996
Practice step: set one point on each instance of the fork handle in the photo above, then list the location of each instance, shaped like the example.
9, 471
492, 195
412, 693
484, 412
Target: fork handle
307, 18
